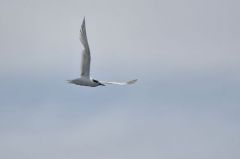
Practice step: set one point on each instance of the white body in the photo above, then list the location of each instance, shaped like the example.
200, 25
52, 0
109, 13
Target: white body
85, 79
84, 82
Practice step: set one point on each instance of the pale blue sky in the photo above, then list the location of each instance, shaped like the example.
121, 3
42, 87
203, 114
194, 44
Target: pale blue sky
184, 53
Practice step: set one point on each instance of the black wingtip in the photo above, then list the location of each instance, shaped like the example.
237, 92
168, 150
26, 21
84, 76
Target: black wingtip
132, 81
83, 22
82, 26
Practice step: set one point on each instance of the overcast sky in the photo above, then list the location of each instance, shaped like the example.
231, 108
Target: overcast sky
185, 54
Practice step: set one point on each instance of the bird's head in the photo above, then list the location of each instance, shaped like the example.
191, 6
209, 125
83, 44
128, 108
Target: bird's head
99, 83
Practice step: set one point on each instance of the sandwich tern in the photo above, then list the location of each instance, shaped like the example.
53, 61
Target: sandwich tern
85, 79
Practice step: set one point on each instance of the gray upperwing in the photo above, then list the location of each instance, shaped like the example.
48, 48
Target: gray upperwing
86, 57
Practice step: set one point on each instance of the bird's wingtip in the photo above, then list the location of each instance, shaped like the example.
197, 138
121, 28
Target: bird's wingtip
132, 81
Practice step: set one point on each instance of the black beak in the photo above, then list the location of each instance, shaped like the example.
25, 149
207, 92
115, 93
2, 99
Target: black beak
102, 84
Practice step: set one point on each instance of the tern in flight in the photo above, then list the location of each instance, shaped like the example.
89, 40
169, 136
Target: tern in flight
85, 79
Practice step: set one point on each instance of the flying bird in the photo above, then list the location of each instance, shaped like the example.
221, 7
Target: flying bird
85, 79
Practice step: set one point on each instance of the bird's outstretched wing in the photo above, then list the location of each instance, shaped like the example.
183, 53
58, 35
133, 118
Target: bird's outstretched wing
119, 83
86, 57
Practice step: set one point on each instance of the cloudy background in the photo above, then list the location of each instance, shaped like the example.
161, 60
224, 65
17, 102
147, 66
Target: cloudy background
185, 54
